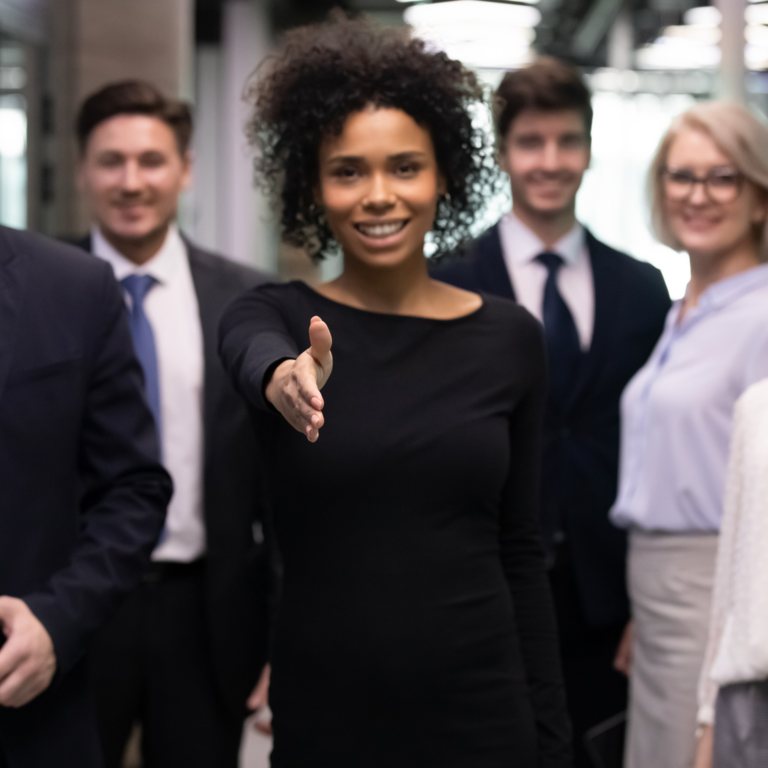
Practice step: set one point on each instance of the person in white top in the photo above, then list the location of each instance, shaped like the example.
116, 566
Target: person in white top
187, 647
602, 313
733, 689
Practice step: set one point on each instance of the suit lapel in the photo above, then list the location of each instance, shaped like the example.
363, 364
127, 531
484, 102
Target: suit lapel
491, 269
607, 289
206, 288
13, 272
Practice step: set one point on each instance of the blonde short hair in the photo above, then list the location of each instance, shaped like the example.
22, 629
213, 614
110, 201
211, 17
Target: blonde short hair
739, 135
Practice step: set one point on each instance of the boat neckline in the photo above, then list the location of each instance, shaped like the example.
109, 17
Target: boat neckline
373, 313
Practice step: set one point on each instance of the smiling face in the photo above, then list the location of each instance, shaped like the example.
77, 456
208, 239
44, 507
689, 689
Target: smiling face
707, 228
378, 186
132, 174
545, 155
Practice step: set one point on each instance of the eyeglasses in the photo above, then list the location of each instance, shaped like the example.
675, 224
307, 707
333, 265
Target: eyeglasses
721, 185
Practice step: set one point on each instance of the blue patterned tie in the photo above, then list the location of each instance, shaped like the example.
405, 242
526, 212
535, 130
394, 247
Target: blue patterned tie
563, 347
138, 286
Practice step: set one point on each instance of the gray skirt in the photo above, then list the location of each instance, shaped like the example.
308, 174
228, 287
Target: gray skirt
670, 586
741, 726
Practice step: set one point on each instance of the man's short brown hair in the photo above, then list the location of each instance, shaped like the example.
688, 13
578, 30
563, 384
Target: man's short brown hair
548, 85
134, 97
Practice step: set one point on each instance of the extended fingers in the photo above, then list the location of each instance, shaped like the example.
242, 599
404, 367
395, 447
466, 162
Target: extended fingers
307, 388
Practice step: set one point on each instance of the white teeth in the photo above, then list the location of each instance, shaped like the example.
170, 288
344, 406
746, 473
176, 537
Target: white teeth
381, 230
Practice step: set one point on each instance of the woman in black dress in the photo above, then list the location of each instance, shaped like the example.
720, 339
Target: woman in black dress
415, 626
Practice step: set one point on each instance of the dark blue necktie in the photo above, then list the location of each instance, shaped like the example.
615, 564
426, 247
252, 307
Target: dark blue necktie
563, 347
137, 287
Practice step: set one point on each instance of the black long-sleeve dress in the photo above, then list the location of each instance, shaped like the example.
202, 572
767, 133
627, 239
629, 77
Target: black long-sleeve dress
415, 626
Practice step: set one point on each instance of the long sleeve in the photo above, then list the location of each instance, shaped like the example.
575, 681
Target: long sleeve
738, 642
524, 566
253, 336
732, 507
124, 489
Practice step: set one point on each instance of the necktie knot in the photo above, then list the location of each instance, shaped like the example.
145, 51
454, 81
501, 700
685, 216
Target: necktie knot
138, 287
551, 261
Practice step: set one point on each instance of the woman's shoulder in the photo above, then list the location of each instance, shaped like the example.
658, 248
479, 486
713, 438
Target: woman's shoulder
283, 296
510, 318
510, 335
279, 290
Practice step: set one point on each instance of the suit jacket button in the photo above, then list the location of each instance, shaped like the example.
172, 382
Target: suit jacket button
565, 433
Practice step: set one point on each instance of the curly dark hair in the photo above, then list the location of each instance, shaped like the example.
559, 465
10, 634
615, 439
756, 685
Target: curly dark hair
324, 73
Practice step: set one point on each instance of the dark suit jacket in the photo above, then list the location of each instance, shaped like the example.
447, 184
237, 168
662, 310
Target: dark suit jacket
581, 444
82, 496
240, 570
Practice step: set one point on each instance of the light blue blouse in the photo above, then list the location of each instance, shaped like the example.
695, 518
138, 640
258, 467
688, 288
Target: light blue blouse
677, 410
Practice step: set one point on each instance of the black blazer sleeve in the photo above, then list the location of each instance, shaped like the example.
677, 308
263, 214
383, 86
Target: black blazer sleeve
124, 490
253, 337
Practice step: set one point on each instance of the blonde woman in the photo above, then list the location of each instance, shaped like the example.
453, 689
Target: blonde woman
733, 691
709, 197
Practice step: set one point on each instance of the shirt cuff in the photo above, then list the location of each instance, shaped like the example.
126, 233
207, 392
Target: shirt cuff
706, 715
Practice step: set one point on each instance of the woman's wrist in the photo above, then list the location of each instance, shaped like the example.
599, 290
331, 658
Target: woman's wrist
274, 377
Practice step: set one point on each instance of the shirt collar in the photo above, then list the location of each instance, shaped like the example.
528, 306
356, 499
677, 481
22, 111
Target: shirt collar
728, 290
161, 266
526, 245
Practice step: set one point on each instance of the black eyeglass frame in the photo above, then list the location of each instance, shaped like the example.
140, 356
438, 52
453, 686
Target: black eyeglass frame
705, 181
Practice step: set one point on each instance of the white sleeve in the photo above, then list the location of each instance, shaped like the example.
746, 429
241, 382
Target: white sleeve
724, 570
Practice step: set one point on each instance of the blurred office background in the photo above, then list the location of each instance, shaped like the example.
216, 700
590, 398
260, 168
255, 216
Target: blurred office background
646, 60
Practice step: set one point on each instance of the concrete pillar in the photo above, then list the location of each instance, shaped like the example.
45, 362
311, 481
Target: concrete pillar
621, 41
94, 42
245, 228
732, 80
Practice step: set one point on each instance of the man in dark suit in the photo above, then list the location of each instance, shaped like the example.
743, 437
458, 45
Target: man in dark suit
82, 495
186, 649
602, 311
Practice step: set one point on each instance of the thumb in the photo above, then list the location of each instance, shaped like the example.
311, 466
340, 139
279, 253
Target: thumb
319, 340
320, 350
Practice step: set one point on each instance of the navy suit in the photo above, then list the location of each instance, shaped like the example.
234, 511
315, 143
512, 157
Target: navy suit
581, 442
82, 495
240, 573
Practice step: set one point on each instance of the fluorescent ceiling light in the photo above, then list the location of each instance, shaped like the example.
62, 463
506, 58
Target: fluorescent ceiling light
710, 35
480, 34
706, 16
471, 11
757, 34
677, 53
756, 14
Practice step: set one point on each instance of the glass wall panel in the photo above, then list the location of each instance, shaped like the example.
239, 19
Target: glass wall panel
13, 135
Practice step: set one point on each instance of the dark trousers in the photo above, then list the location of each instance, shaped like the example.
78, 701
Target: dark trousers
58, 728
152, 664
594, 690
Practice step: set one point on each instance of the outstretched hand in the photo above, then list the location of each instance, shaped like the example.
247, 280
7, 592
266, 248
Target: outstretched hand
294, 389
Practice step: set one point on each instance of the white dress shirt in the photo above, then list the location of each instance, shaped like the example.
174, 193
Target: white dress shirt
172, 310
521, 246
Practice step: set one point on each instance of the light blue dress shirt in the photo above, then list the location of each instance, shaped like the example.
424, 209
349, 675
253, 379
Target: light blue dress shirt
677, 411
